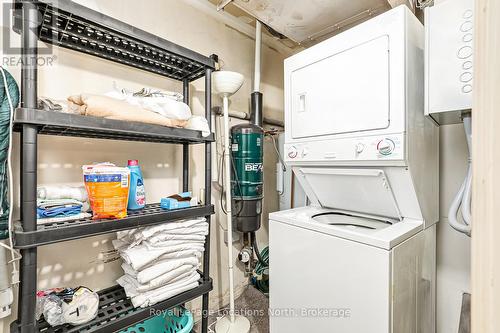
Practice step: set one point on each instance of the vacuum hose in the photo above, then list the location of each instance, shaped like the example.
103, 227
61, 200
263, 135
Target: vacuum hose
462, 200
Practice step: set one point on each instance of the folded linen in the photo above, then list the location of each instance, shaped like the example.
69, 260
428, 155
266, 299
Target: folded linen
140, 256
59, 207
180, 227
162, 280
56, 219
169, 243
179, 254
62, 192
159, 238
164, 266
154, 296
162, 103
200, 229
111, 108
52, 204
199, 123
131, 285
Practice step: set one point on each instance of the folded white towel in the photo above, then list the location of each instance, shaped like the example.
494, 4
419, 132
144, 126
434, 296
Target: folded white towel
159, 238
131, 285
62, 192
170, 243
157, 295
164, 279
179, 274
164, 266
129, 270
140, 256
185, 225
175, 255
199, 123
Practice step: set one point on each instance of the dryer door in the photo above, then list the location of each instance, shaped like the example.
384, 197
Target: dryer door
346, 92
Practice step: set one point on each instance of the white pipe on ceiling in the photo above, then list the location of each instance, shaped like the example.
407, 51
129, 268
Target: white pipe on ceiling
258, 45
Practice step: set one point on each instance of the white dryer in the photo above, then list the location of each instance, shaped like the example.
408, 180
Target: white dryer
361, 257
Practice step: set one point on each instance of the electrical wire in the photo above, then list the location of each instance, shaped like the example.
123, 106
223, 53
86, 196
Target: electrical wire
13, 252
223, 188
280, 159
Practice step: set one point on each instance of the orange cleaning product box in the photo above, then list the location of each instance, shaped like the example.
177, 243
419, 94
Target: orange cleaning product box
107, 187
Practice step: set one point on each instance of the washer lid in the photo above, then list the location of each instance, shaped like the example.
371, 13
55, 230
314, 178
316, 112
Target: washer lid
365, 191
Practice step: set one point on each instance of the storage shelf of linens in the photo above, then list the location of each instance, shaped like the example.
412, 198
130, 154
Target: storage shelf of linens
69, 230
116, 311
67, 24
66, 124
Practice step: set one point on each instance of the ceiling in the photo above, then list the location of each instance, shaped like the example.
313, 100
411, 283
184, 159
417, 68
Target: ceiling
303, 23
306, 22
297, 24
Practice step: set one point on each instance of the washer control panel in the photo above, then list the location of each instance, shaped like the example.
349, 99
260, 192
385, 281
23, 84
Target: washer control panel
373, 148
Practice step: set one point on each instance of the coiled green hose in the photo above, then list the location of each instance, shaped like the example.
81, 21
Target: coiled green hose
260, 276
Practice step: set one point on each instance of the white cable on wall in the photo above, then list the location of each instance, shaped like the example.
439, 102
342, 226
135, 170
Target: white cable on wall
462, 200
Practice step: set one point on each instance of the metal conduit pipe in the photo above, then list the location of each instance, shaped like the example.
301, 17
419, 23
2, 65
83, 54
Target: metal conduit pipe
217, 110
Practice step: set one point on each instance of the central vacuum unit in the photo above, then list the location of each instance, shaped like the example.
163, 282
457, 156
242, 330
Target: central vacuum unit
247, 150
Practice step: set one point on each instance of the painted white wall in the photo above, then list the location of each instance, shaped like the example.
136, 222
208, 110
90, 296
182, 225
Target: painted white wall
453, 248
60, 159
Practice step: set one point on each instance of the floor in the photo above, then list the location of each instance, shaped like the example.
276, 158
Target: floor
465, 324
254, 305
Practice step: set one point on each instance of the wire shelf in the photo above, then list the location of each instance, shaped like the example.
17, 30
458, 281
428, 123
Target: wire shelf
64, 231
70, 25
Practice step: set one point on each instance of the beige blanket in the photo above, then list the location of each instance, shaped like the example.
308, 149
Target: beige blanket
107, 107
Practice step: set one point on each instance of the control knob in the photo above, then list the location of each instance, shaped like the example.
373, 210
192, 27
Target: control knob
385, 146
359, 148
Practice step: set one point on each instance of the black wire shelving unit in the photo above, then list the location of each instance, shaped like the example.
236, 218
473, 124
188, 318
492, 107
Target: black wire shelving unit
67, 24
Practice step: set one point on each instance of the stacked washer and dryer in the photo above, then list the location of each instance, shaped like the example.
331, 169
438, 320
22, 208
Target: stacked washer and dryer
361, 257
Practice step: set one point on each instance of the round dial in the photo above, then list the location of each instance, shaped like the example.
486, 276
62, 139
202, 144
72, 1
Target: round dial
385, 146
292, 152
304, 152
359, 148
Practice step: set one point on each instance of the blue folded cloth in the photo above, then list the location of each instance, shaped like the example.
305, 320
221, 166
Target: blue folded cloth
55, 208
58, 211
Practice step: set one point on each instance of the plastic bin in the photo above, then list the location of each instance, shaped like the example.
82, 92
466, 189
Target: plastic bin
178, 320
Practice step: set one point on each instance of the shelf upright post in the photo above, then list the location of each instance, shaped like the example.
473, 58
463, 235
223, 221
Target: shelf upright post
185, 147
28, 278
208, 195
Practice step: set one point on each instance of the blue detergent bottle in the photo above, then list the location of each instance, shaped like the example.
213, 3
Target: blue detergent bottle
137, 193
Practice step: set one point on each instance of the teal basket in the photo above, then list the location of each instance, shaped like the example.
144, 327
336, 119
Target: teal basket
178, 320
